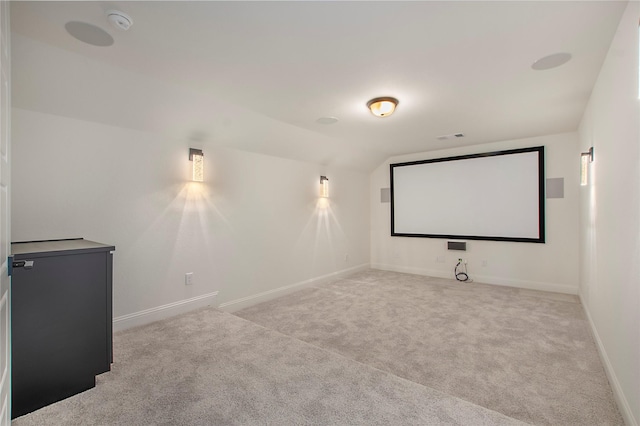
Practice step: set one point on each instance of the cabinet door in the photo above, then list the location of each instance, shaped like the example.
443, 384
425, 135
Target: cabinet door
58, 328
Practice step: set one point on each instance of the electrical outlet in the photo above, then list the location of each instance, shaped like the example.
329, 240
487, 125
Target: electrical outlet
188, 278
484, 264
440, 259
346, 257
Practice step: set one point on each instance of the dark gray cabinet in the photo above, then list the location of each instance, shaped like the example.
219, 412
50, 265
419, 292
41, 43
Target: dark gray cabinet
61, 319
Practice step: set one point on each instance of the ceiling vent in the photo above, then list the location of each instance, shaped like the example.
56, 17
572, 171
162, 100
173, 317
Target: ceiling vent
451, 136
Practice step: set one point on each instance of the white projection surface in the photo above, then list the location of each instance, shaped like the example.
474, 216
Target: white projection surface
491, 196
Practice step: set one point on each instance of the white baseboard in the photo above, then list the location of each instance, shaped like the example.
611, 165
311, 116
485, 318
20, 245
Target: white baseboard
412, 270
245, 302
529, 285
161, 312
484, 279
618, 394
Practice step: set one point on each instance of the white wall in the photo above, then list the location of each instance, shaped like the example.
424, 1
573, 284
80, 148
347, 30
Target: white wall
255, 225
610, 215
5, 216
551, 266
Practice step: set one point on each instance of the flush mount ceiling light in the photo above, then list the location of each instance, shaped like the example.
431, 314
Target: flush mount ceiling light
382, 107
551, 61
88, 33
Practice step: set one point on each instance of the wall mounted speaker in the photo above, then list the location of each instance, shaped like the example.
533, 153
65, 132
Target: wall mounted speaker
385, 195
555, 188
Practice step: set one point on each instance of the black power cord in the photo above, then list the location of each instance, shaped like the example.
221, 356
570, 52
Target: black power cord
462, 275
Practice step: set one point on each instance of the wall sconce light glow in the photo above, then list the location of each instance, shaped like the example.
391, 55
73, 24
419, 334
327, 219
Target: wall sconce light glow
197, 158
324, 187
382, 107
585, 159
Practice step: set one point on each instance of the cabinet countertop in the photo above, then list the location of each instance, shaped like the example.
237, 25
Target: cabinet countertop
57, 247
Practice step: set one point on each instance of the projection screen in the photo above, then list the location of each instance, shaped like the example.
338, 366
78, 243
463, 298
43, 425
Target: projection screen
490, 196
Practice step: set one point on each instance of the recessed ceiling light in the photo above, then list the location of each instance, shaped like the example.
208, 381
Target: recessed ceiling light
327, 120
89, 34
551, 61
382, 107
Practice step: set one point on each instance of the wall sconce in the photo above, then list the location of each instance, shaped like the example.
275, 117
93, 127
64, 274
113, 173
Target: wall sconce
585, 159
324, 187
197, 158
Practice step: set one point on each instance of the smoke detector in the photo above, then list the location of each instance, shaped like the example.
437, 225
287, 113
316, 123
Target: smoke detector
120, 20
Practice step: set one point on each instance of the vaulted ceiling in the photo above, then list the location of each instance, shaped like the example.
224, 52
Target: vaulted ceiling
257, 76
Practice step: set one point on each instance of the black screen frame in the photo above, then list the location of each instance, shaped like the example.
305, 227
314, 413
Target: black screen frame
541, 198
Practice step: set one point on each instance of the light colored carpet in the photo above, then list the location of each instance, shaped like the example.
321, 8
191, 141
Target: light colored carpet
212, 368
529, 355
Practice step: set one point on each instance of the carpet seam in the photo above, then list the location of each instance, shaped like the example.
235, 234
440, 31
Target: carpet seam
372, 367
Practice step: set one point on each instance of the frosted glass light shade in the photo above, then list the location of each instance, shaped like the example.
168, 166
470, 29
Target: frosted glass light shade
324, 187
382, 107
198, 168
197, 164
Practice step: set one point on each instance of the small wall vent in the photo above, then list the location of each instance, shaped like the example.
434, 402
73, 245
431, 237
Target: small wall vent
451, 136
